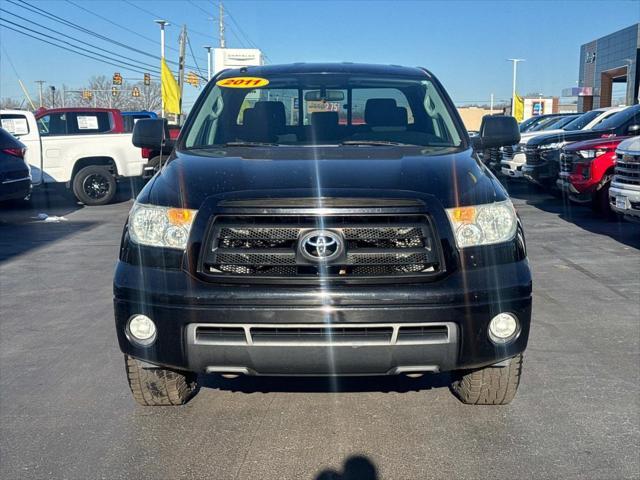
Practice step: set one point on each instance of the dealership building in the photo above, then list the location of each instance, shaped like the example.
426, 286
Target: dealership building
607, 64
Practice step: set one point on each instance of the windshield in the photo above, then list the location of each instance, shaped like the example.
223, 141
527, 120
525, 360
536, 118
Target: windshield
529, 124
311, 110
559, 122
582, 121
620, 118
545, 124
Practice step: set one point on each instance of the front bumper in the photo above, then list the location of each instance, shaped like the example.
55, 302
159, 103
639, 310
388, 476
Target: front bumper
625, 201
463, 303
584, 194
513, 168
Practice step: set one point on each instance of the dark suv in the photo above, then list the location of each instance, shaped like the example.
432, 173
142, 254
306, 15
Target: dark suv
323, 219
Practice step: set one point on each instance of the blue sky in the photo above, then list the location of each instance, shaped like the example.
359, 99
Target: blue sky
465, 43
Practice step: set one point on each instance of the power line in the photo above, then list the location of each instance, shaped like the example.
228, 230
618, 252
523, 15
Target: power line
102, 60
56, 18
200, 8
249, 41
130, 30
70, 37
148, 12
194, 58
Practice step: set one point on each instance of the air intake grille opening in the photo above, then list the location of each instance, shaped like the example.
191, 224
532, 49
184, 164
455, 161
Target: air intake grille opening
627, 170
267, 246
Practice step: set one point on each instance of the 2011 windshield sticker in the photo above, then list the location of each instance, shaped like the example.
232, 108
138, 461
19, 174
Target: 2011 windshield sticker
243, 82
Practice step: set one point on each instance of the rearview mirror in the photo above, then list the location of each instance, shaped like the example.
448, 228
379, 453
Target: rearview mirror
329, 96
497, 131
152, 133
633, 130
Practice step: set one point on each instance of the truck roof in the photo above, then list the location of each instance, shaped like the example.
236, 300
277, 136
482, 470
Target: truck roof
344, 67
42, 111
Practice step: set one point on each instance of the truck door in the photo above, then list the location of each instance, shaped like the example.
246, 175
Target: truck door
19, 126
50, 126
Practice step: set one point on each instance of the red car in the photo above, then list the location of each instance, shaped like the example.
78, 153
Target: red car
586, 169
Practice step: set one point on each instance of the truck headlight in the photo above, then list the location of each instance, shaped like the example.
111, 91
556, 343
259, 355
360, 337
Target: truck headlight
591, 154
160, 226
483, 224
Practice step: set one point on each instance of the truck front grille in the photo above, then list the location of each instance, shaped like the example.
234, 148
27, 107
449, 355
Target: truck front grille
320, 334
532, 155
627, 170
257, 246
566, 162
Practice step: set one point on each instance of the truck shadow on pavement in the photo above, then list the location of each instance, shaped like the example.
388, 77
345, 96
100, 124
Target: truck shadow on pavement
356, 467
384, 384
625, 232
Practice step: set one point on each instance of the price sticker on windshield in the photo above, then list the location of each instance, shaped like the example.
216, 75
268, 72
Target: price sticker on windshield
243, 82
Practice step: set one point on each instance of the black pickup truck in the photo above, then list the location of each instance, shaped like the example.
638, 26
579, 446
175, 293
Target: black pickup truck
323, 219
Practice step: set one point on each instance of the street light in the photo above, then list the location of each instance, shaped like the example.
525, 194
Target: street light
209, 62
513, 93
162, 23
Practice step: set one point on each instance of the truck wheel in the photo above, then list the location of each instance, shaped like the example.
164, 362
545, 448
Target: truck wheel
490, 385
94, 185
159, 386
600, 202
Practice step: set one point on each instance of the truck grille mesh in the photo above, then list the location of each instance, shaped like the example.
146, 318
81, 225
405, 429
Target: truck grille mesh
268, 247
627, 170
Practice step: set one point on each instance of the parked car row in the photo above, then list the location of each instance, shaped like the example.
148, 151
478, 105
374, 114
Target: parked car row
579, 159
85, 149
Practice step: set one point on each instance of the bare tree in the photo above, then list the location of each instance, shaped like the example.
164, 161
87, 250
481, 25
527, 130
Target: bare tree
102, 96
11, 104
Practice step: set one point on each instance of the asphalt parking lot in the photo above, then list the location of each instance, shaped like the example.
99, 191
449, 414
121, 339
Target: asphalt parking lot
66, 411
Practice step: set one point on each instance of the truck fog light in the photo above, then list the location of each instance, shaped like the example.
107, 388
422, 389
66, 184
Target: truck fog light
141, 330
503, 328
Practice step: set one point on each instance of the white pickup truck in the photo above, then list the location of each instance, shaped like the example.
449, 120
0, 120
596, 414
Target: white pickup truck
85, 149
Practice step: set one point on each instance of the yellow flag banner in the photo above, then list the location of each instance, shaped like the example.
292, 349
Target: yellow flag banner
518, 110
170, 90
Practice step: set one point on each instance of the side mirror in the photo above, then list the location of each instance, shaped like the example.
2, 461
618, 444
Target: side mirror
633, 130
497, 131
152, 133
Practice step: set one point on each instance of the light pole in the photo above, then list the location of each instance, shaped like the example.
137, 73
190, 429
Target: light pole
162, 23
513, 93
40, 83
209, 62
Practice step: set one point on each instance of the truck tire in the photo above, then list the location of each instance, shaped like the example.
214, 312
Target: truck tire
600, 201
159, 386
490, 385
94, 185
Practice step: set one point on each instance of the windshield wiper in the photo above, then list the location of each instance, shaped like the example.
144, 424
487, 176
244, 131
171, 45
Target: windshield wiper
381, 143
251, 144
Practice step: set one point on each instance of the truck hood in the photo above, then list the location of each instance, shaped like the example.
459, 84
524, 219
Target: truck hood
454, 179
525, 137
572, 136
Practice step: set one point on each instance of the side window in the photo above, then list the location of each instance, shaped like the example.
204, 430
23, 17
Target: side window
83, 123
53, 124
15, 124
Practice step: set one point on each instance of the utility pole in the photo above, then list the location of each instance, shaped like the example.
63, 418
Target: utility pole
491, 107
513, 96
209, 62
162, 23
221, 25
40, 83
183, 43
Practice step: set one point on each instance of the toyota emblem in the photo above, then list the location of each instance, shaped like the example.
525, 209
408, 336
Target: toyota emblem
321, 245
